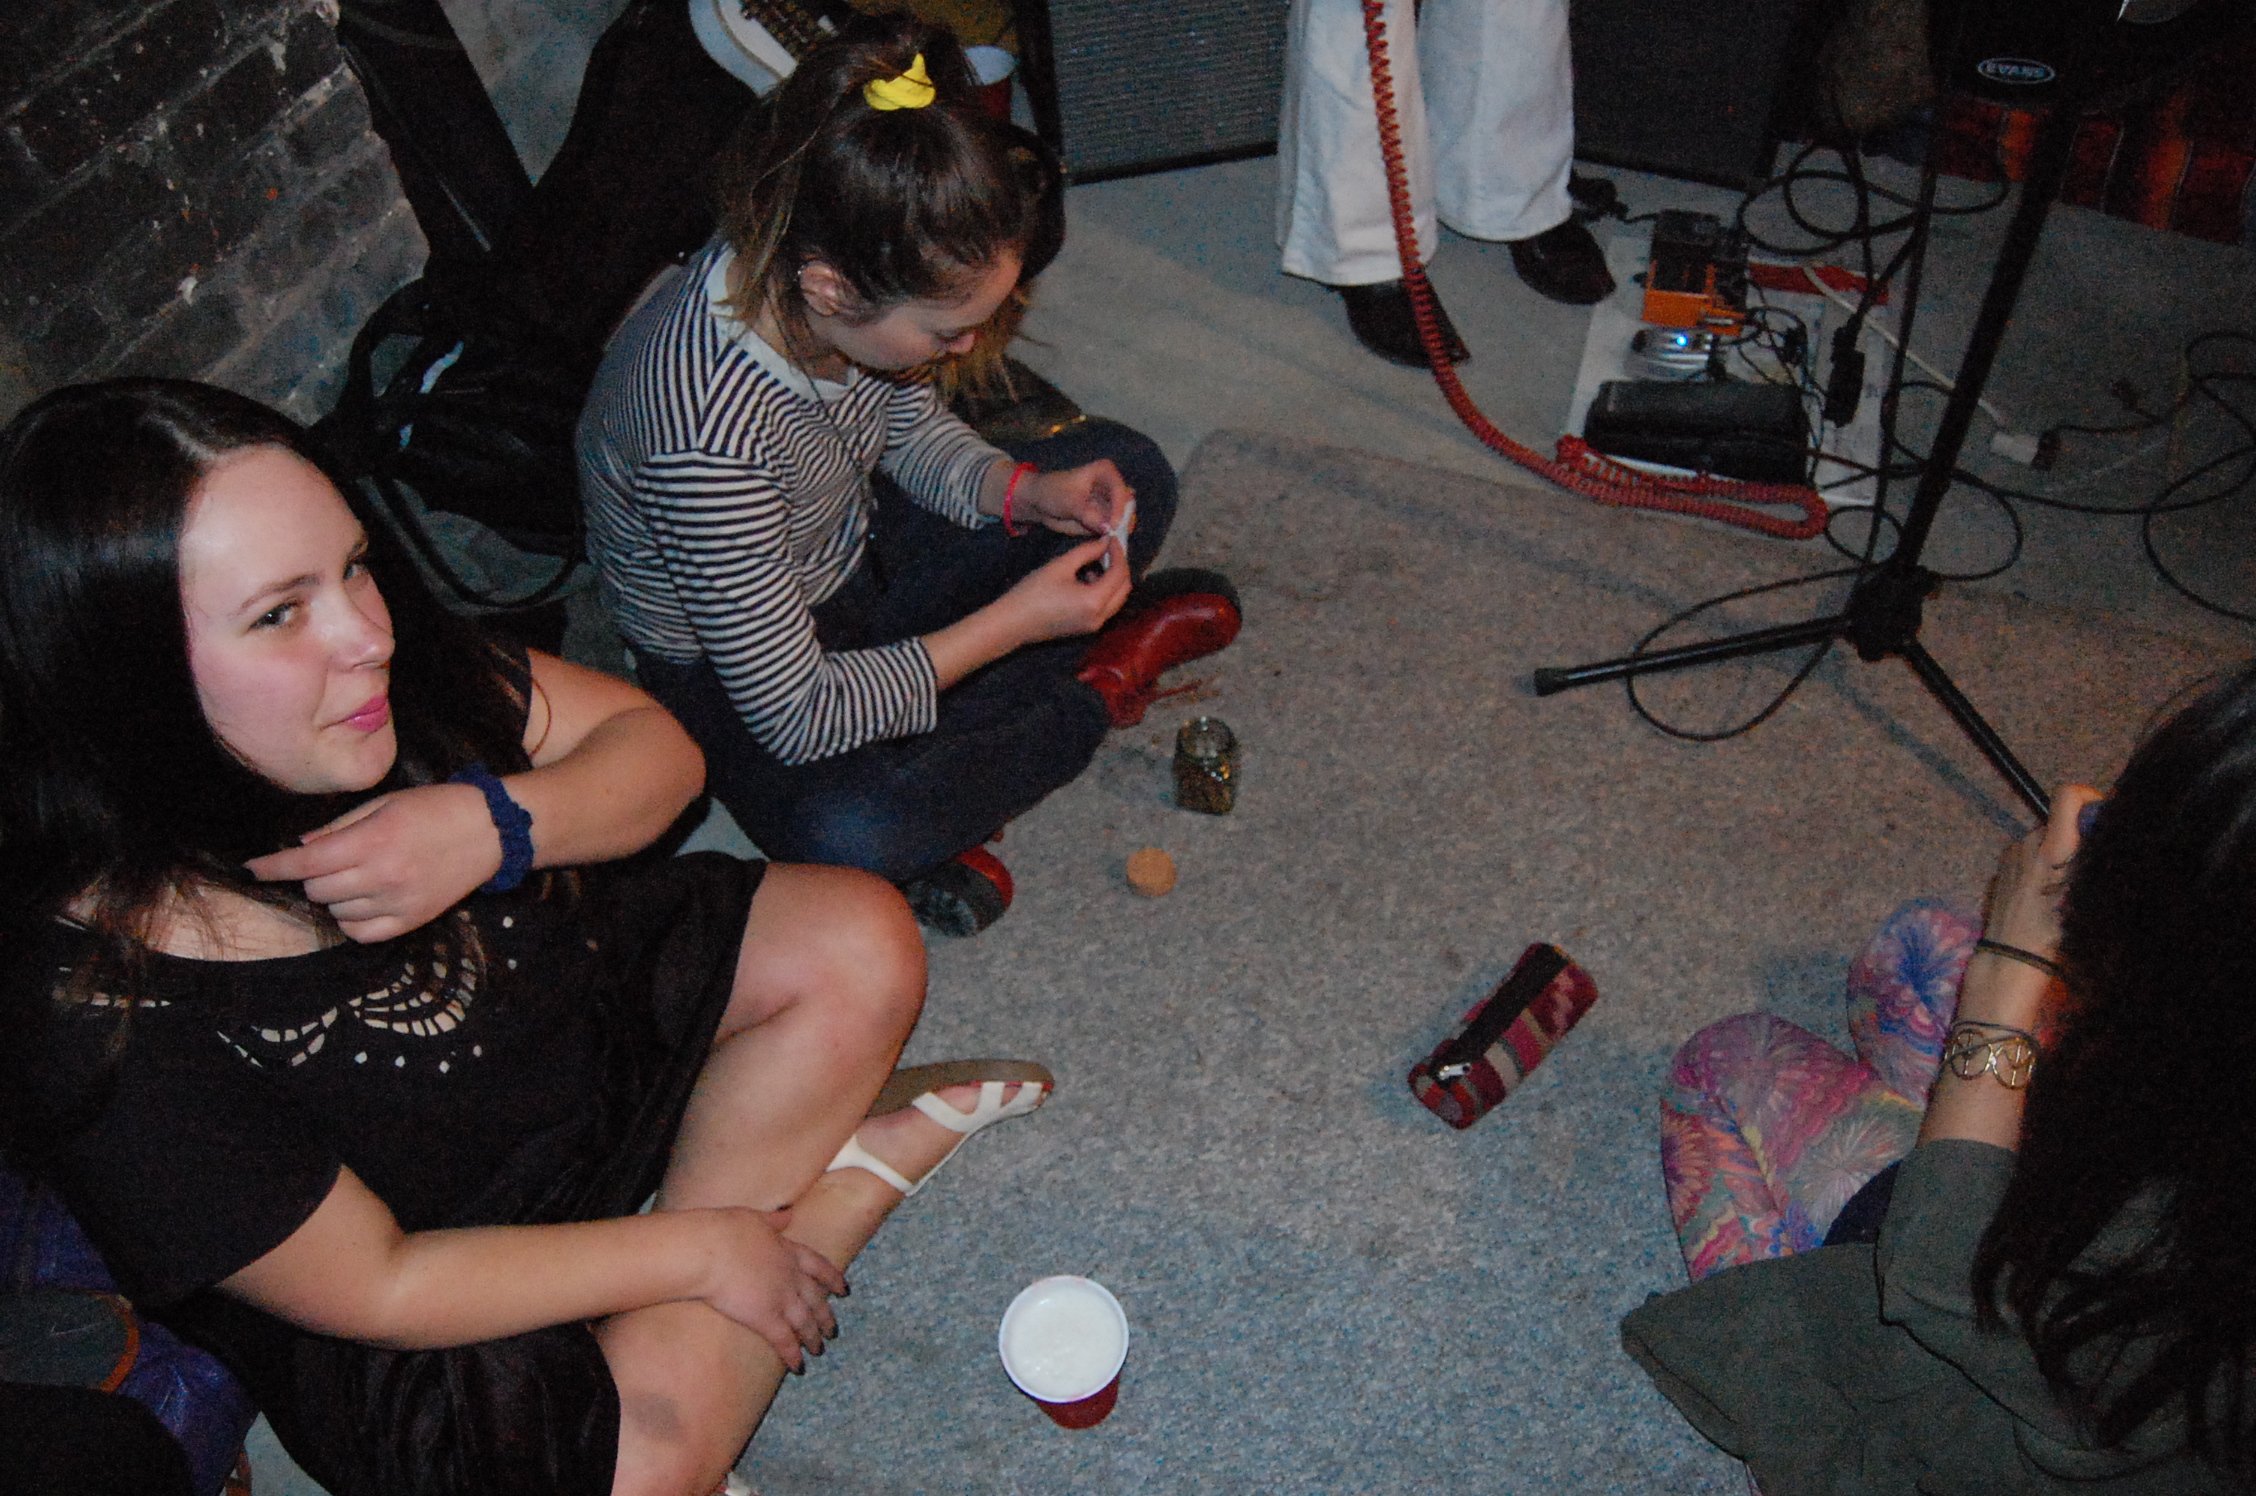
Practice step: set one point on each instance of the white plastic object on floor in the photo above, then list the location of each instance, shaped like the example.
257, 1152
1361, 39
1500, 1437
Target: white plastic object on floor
2014, 446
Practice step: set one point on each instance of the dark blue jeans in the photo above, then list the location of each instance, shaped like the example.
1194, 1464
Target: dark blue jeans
1007, 735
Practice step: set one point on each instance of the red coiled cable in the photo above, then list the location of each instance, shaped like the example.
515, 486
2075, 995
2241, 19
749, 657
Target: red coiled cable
1576, 468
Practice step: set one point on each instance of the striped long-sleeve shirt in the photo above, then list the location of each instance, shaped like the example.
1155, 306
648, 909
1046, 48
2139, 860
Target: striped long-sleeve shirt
727, 494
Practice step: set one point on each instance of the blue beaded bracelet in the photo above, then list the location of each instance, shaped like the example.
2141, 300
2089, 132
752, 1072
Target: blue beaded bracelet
513, 821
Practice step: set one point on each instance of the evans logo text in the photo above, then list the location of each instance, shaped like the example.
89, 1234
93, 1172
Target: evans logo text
2015, 70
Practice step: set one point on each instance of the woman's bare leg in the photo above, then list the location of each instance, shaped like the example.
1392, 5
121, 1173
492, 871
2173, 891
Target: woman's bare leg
829, 983
828, 986
693, 1386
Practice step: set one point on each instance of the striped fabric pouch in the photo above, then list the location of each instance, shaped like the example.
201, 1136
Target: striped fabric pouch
1504, 1037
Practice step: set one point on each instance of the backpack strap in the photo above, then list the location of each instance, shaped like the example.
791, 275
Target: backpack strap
367, 428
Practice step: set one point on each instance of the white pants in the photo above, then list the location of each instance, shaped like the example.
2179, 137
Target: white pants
1493, 80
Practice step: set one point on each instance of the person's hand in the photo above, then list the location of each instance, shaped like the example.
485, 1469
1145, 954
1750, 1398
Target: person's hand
775, 1287
2023, 906
2001, 993
1054, 603
1086, 500
394, 863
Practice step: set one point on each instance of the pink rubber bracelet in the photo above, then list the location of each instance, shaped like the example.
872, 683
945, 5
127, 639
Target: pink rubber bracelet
1010, 492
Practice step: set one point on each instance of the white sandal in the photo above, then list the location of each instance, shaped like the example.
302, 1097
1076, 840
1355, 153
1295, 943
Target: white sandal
916, 1086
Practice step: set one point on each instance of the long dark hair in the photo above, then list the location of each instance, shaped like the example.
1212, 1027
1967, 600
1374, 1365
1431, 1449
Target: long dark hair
2148, 1100
905, 204
113, 787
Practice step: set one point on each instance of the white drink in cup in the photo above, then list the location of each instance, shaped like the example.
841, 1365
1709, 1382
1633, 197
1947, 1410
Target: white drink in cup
1063, 1341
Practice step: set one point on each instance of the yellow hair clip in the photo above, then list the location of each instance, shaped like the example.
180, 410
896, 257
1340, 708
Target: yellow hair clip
912, 90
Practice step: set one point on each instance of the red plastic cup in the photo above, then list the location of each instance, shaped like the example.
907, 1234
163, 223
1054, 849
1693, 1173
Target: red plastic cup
1063, 1342
993, 67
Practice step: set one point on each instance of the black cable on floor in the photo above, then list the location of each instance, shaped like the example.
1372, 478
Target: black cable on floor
1802, 673
1799, 173
2238, 460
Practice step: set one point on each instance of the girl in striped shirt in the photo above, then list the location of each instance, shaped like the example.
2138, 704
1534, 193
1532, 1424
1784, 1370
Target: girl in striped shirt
876, 624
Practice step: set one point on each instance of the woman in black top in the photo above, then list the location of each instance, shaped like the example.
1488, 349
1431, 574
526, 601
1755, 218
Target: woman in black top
355, 1073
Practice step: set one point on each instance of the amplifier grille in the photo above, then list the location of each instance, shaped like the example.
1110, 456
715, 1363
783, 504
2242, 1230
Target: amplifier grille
1141, 84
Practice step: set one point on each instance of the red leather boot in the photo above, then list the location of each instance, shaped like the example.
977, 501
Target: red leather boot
1172, 618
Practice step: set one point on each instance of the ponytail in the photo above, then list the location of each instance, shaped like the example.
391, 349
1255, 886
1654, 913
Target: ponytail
905, 204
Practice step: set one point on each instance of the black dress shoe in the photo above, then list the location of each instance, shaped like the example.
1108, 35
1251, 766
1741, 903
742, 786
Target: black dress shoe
1383, 322
1595, 198
1564, 264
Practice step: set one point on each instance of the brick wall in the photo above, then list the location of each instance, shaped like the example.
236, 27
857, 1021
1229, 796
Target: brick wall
189, 187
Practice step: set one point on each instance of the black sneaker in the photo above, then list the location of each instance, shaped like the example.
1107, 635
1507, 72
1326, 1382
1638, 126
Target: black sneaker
961, 896
1383, 322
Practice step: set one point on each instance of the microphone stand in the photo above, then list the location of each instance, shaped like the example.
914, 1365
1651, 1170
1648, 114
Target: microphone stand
1883, 613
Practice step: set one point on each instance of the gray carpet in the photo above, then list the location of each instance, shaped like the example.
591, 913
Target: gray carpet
1329, 1290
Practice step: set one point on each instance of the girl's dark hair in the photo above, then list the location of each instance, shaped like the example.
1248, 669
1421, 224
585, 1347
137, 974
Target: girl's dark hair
905, 204
2148, 1100
112, 783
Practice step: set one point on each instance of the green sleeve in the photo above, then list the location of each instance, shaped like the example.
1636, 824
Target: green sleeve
1944, 1200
